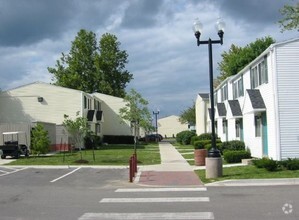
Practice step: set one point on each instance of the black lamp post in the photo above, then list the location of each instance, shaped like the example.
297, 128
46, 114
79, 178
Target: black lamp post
197, 28
156, 113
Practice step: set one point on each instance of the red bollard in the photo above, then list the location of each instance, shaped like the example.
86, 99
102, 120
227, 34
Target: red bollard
131, 172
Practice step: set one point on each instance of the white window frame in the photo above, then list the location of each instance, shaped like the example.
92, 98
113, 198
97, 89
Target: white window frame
238, 88
259, 73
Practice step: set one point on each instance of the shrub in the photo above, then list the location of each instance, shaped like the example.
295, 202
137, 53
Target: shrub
206, 136
193, 139
201, 144
236, 156
184, 137
290, 164
92, 141
268, 164
40, 142
218, 146
233, 145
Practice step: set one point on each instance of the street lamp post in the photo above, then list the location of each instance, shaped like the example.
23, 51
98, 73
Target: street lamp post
197, 28
156, 113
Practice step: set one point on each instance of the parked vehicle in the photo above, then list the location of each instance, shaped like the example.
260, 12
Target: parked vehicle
151, 138
12, 145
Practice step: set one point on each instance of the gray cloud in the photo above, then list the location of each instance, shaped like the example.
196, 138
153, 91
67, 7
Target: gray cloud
141, 14
169, 69
26, 22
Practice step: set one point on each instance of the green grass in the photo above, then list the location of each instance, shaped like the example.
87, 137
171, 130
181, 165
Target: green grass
248, 172
106, 155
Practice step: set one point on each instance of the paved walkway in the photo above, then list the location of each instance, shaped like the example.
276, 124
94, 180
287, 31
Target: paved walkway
174, 170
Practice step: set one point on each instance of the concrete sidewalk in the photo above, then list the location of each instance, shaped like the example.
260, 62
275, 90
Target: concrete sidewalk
174, 170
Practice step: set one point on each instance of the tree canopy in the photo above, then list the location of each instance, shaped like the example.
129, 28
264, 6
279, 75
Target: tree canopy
93, 68
188, 115
290, 20
237, 58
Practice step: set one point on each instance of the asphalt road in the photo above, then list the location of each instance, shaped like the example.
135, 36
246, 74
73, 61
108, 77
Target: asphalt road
90, 194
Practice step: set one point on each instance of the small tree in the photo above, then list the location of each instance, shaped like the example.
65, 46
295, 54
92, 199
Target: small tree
77, 129
40, 142
136, 111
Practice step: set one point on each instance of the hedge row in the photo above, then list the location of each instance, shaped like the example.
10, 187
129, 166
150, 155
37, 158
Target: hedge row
273, 165
236, 156
118, 139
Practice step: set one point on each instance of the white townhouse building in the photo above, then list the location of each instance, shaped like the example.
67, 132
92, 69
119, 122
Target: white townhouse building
260, 105
45, 103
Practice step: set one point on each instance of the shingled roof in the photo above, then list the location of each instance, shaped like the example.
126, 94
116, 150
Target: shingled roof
221, 109
235, 108
256, 99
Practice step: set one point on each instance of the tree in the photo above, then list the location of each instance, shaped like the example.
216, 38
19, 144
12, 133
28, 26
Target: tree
77, 129
290, 20
111, 63
237, 58
92, 68
188, 115
40, 141
136, 110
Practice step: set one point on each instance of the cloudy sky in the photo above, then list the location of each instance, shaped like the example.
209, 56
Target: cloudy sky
168, 68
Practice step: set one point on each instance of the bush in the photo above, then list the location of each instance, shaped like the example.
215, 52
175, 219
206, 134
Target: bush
92, 141
236, 156
233, 145
40, 142
193, 139
268, 164
205, 136
201, 144
290, 164
184, 137
218, 146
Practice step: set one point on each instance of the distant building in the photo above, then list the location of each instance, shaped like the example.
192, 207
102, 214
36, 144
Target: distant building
40, 102
170, 126
201, 111
260, 104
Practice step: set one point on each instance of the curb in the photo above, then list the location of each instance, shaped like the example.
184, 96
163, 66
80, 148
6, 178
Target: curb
256, 182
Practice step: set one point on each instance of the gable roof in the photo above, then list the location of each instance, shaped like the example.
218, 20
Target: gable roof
204, 95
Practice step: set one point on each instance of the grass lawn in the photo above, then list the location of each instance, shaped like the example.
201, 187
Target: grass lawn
248, 172
106, 155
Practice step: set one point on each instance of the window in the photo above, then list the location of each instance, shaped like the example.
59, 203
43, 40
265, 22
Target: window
85, 102
215, 98
259, 74
257, 124
97, 105
224, 126
224, 95
239, 128
98, 128
238, 88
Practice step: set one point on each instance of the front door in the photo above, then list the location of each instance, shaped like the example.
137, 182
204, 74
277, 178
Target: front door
264, 134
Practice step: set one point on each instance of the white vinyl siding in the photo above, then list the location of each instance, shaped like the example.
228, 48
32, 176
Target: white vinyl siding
287, 65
